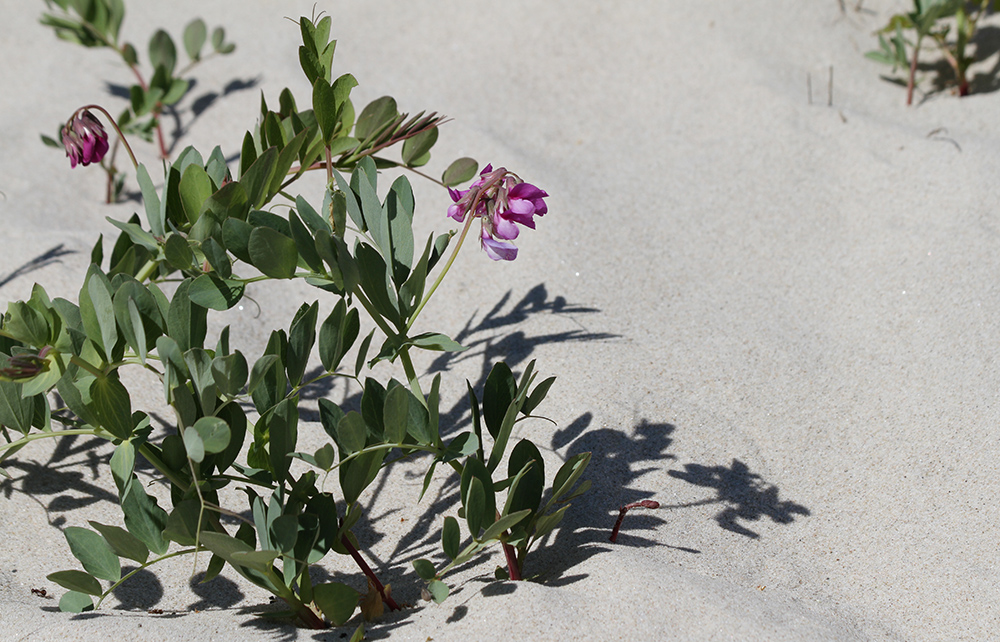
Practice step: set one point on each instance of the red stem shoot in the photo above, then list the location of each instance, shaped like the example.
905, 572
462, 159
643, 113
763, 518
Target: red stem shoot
646, 503
386, 599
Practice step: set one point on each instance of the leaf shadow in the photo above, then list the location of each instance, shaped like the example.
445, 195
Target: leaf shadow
46, 258
745, 496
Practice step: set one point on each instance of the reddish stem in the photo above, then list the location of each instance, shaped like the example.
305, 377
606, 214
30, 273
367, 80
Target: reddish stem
646, 503
387, 599
156, 112
513, 568
913, 73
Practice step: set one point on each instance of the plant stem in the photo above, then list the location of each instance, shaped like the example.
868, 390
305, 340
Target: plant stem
444, 270
387, 599
141, 567
513, 568
646, 503
411, 375
114, 124
913, 72
27, 439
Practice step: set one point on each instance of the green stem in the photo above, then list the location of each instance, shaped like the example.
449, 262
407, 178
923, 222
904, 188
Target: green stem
142, 567
147, 271
411, 375
444, 270
27, 439
86, 366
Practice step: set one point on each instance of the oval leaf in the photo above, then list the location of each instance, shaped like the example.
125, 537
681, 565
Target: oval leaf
336, 600
94, 553
272, 253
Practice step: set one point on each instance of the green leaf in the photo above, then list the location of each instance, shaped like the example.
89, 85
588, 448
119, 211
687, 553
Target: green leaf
568, 475
337, 335
504, 523
219, 42
325, 107
122, 465
16, 411
75, 602
450, 537
435, 341
498, 394
135, 232
217, 257
162, 52
376, 282
336, 600
214, 434
416, 148
236, 237
375, 117
230, 373
123, 543
438, 590
459, 171
357, 474
351, 433
312, 219
282, 426
182, 524
474, 502
305, 244
94, 553
404, 415
97, 311
195, 188
210, 291
113, 406
272, 253
424, 569
537, 395
76, 581
195, 34
186, 320
257, 179
177, 252
546, 523
359, 361
301, 338
526, 492
144, 518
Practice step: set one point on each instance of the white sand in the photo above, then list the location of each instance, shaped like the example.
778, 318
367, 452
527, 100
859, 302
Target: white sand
779, 321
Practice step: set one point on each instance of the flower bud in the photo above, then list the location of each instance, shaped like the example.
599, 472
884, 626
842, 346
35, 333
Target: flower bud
84, 138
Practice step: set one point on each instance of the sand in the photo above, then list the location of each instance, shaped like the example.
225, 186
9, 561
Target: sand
772, 312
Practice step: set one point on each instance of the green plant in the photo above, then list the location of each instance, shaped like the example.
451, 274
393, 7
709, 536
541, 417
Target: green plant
207, 238
97, 24
937, 20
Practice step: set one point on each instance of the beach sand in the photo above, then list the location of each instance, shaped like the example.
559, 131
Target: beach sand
771, 307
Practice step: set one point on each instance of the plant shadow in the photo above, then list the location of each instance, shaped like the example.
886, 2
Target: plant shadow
46, 258
745, 496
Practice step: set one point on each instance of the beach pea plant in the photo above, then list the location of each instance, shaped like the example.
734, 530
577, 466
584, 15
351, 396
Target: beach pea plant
97, 24
949, 24
206, 240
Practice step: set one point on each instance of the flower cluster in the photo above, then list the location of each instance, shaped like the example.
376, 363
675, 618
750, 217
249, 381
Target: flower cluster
84, 138
501, 200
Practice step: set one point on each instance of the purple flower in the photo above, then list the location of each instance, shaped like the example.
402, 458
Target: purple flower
84, 138
502, 201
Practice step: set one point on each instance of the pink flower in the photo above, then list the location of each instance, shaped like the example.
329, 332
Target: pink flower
502, 201
84, 138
